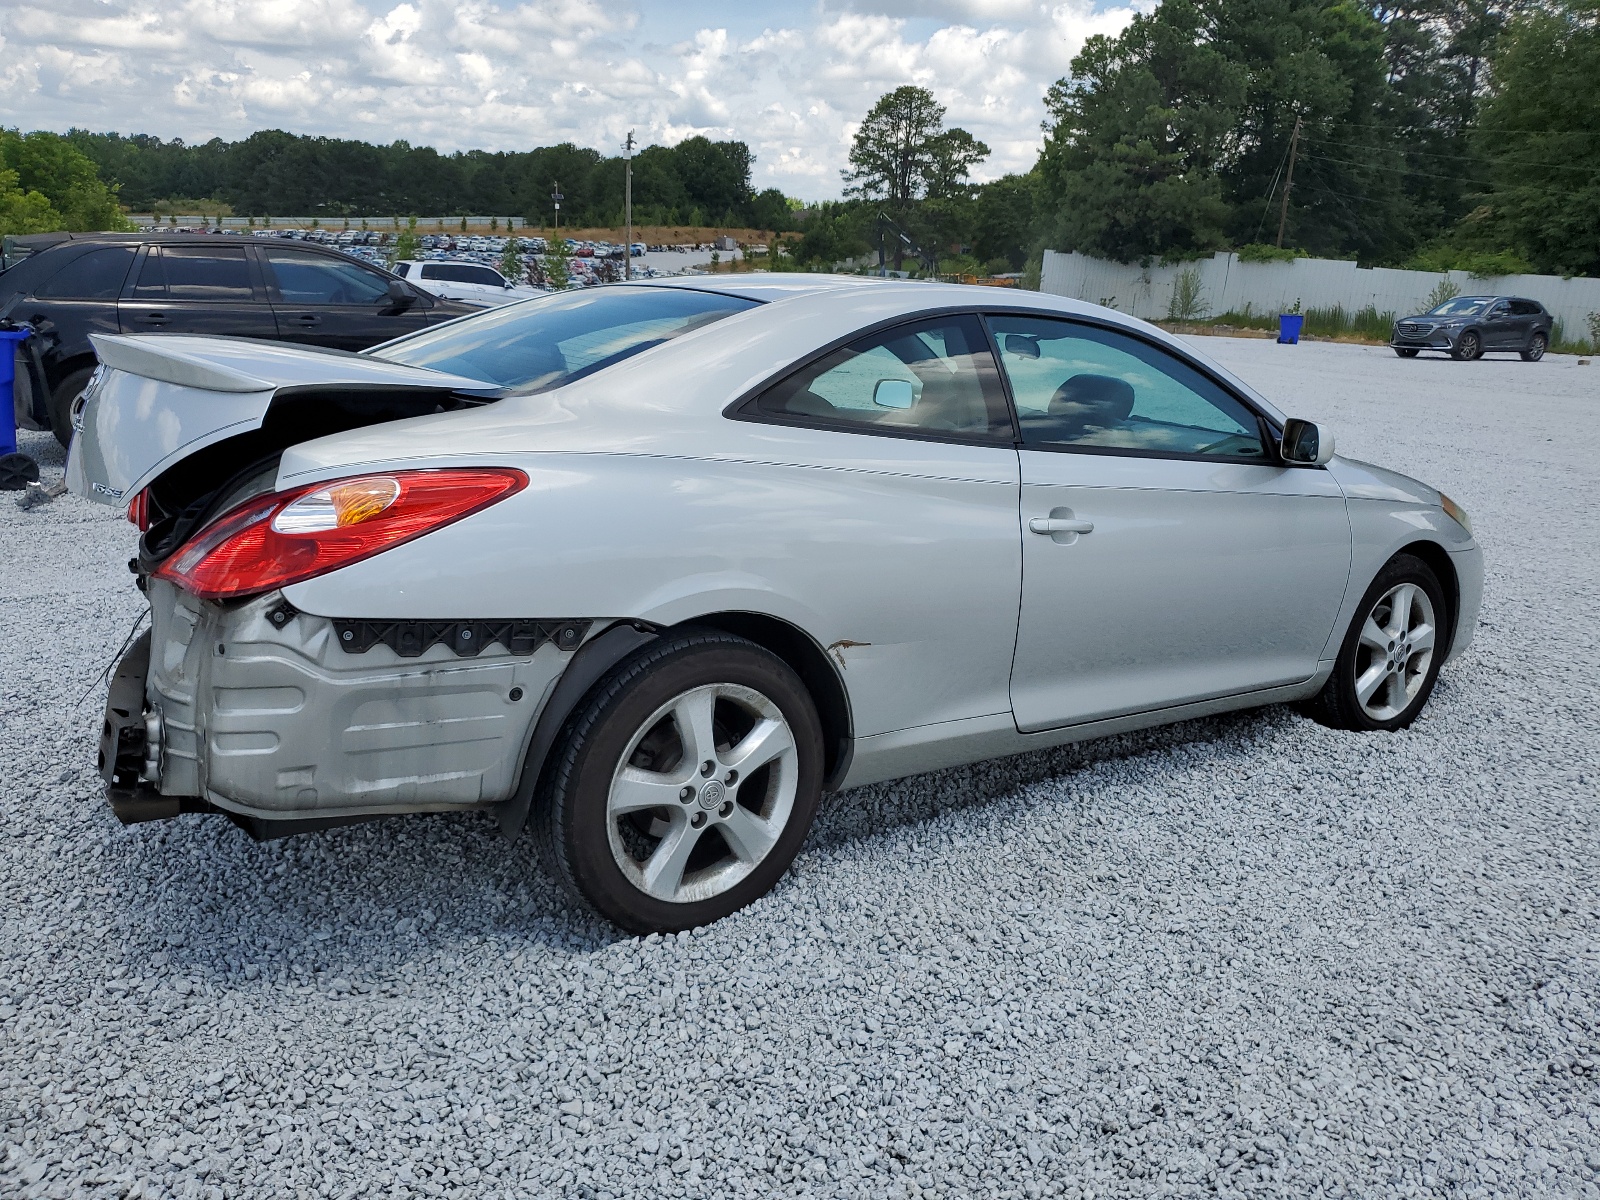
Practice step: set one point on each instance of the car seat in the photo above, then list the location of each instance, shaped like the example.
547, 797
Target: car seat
1085, 404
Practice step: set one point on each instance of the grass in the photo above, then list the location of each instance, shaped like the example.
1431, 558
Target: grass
1365, 325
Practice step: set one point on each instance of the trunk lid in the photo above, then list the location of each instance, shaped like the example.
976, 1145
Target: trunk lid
158, 399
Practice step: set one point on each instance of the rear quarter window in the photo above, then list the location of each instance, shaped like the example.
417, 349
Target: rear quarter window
97, 275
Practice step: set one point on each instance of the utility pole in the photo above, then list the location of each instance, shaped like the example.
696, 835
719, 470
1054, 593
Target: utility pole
627, 207
556, 198
1288, 181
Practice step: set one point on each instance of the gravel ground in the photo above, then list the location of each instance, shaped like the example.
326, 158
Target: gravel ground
1238, 956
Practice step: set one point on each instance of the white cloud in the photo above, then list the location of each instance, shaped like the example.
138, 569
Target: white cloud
476, 73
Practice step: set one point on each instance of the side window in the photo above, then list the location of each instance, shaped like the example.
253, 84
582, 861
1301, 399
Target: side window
1524, 308
934, 377
1079, 387
97, 275
462, 273
314, 279
195, 273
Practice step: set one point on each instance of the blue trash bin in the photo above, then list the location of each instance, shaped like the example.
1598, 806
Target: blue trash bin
8, 378
1289, 328
16, 470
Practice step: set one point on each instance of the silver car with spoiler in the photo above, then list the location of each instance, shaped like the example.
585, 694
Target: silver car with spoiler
651, 567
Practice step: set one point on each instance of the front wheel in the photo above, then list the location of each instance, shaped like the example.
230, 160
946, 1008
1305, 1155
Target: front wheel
1391, 655
1537, 345
1469, 347
686, 784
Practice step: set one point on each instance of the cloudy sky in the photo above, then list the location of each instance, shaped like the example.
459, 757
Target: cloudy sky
790, 78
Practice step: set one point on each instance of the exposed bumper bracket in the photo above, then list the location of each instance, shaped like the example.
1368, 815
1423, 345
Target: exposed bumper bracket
410, 639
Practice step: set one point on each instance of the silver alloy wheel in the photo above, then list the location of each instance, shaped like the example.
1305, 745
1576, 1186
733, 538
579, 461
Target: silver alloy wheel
1536, 347
731, 771
1394, 652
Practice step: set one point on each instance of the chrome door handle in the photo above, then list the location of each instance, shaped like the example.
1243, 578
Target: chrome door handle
1048, 525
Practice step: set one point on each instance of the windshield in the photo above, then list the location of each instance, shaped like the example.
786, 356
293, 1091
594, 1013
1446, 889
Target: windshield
548, 341
1461, 306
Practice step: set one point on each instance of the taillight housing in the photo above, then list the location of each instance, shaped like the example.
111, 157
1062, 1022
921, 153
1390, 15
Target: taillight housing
286, 537
139, 510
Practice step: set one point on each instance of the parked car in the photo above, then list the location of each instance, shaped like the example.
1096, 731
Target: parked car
72, 286
662, 563
1468, 327
465, 281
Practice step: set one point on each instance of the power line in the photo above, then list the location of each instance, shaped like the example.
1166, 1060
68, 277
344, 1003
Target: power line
1367, 166
1458, 157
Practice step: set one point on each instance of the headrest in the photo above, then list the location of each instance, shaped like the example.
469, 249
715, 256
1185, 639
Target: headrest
1097, 399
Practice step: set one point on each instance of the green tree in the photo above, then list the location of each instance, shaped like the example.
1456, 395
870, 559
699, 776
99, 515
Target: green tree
558, 264
1174, 137
405, 243
1137, 135
1540, 133
24, 211
1004, 220
904, 159
511, 261
830, 233
49, 165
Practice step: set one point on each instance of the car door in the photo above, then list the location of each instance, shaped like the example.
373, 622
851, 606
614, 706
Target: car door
197, 287
463, 281
1525, 316
325, 300
890, 471
1500, 327
1168, 557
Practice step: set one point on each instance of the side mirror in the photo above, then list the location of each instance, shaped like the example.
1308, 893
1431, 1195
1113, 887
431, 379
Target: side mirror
894, 393
1306, 444
1022, 345
400, 297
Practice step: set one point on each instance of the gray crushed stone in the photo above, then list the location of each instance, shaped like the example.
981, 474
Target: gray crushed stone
1242, 956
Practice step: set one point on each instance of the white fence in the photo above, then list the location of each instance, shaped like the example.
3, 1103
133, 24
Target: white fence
1228, 285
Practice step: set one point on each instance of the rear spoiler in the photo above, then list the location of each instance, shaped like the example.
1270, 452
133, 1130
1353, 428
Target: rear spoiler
154, 362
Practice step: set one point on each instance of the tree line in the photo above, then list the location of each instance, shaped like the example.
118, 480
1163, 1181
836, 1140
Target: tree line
1427, 133
696, 182
1434, 134
1450, 132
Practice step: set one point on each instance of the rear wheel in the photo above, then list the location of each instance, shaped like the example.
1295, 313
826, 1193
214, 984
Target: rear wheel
1537, 345
686, 784
1469, 347
60, 405
1406, 351
1391, 655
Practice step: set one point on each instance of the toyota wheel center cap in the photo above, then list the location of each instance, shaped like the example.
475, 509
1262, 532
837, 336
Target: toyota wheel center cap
712, 794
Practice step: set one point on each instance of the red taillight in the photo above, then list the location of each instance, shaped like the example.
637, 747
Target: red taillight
283, 538
139, 510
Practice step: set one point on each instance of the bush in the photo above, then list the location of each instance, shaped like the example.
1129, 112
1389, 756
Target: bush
1445, 289
1260, 252
1480, 264
1186, 303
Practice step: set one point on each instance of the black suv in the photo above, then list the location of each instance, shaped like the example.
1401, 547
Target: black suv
67, 286
1468, 327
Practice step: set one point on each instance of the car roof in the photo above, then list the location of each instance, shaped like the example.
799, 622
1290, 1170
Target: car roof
764, 286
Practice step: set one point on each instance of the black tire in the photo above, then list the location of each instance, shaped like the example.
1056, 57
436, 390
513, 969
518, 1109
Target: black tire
582, 841
60, 404
1537, 345
1469, 347
1406, 351
1337, 704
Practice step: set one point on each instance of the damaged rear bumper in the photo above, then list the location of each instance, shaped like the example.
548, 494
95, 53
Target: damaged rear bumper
275, 716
